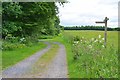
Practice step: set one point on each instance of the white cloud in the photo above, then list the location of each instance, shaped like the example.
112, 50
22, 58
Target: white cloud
86, 12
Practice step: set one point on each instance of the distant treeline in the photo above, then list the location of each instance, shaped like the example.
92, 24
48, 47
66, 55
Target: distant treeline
91, 28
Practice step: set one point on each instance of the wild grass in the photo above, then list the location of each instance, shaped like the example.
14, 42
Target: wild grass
93, 59
10, 58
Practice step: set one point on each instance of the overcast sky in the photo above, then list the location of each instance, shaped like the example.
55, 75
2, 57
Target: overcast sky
86, 12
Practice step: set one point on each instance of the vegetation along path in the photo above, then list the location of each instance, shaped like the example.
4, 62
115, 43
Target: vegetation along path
57, 67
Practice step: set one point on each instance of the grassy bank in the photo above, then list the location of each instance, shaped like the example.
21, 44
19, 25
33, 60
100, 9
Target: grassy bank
10, 58
90, 64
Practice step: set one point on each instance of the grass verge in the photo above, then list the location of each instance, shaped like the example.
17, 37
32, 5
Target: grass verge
10, 58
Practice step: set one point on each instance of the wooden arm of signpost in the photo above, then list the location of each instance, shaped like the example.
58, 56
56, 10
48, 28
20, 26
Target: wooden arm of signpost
99, 22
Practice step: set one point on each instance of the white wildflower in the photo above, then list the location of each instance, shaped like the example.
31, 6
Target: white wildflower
99, 36
76, 42
96, 40
92, 39
100, 41
103, 46
22, 39
81, 40
103, 38
90, 46
83, 37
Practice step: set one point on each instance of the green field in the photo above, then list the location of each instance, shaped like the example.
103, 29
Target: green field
94, 61
112, 37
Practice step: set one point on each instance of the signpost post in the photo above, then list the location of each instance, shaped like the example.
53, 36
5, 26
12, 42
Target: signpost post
105, 34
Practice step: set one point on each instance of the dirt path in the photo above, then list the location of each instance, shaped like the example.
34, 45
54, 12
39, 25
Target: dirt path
21, 68
56, 69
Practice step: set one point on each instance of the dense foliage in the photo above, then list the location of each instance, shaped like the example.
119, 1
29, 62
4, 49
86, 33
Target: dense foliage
29, 19
91, 28
23, 23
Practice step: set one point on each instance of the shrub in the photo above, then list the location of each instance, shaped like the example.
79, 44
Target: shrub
11, 46
45, 37
11, 38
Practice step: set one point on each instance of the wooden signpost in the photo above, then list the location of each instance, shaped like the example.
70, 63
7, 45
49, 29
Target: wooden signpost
105, 34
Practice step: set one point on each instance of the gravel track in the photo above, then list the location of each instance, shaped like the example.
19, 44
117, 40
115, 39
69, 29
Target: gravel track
56, 69
22, 67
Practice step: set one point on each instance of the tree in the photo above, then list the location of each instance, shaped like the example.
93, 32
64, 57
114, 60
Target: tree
10, 14
29, 19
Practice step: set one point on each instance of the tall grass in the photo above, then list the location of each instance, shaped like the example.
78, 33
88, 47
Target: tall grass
88, 58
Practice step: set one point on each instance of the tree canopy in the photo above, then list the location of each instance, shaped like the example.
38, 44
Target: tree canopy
30, 18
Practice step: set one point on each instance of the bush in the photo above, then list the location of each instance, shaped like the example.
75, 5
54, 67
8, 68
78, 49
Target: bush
11, 43
11, 38
11, 46
45, 37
